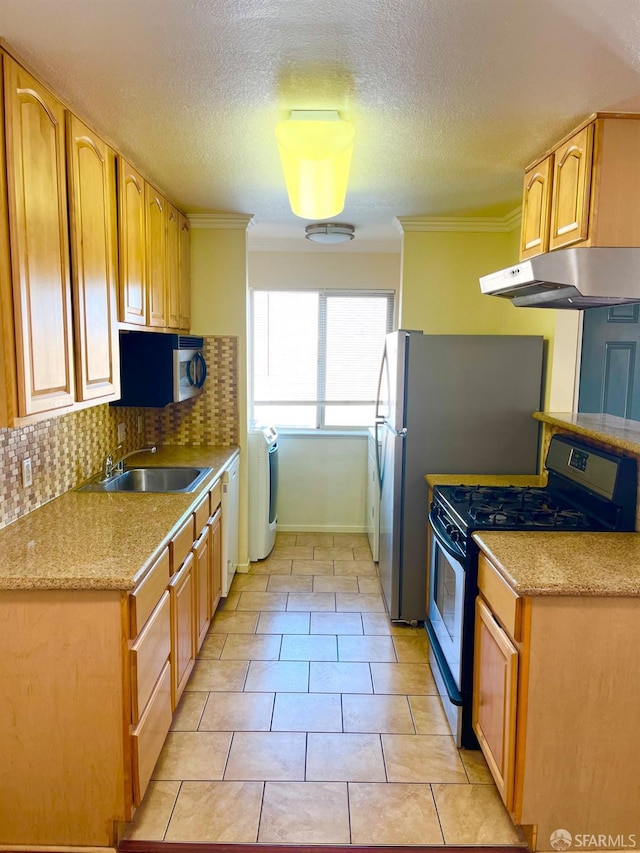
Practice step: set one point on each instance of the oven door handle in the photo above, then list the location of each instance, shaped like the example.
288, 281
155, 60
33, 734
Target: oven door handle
441, 536
450, 686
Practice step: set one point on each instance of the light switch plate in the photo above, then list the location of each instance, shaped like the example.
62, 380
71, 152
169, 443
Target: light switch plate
121, 433
27, 474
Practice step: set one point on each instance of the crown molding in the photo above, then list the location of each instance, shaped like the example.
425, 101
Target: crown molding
473, 224
222, 221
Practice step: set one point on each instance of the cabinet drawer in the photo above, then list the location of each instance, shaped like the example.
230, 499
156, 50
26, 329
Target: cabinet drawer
149, 735
216, 496
504, 602
201, 514
149, 654
147, 594
181, 543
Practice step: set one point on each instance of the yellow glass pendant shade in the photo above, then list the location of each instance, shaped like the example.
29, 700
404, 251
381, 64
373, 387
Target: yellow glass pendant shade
315, 150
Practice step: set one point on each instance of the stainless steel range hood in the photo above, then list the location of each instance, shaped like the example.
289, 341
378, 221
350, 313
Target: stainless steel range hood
570, 278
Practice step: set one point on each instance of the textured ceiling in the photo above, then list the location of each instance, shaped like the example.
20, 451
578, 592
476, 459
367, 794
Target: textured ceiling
450, 98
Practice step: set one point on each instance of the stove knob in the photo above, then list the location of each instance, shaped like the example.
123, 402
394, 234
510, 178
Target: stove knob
455, 535
450, 530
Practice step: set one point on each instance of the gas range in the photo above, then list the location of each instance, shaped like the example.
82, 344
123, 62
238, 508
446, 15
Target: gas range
587, 489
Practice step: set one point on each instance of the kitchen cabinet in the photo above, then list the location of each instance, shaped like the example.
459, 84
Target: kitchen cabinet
155, 224
536, 205
184, 257
36, 296
586, 190
92, 205
86, 696
554, 706
132, 245
154, 256
173, 268
215, 525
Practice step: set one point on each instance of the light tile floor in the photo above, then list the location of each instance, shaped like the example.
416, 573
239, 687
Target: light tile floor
310, 719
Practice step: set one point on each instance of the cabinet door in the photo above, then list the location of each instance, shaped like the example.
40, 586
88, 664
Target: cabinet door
215, 523
202, 555
495, 679
92, 203
131, 240
185, 273
182, 591
173, 268
536, 203
155, 216
37, 195
571, 190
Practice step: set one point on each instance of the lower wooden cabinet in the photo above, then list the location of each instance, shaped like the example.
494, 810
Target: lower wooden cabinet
148, 737
202, 557
89, 682
494, 698
215, 523
556, 687
182, 591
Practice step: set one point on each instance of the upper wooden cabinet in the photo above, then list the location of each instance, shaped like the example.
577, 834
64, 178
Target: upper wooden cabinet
39, 249
536, 204
132, 242
184, 247
586, 190
92, 204
571, 190
154, 275
173, 267
156, 226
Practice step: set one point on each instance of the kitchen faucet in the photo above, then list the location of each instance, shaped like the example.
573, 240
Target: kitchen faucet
111, 468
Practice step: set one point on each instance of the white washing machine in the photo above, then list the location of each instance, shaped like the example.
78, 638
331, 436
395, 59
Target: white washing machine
263, 491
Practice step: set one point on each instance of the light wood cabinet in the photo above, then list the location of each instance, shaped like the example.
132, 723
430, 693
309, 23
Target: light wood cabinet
38, 231
494, 698
155, 224
183, 655
554, 707
215, 523
202, 572
536, 206
132, 243
92, 205
184, 246
586, 190
571, 189
173, 267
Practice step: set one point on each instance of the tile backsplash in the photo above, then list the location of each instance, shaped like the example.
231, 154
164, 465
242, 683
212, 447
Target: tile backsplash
67, 449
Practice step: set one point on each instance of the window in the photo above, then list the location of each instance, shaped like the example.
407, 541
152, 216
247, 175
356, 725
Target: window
316, 356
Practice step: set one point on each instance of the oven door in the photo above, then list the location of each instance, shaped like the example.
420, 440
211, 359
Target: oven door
447, 578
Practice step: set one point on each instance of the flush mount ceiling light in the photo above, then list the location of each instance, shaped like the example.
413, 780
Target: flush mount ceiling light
329, 232
315, 150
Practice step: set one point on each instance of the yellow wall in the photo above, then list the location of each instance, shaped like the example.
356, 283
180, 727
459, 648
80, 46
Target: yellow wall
441, 292
323, 270
219, 307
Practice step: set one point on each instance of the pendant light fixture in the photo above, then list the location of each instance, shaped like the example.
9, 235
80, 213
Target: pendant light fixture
315, 149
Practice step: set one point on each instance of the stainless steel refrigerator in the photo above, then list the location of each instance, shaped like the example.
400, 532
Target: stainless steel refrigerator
447, 404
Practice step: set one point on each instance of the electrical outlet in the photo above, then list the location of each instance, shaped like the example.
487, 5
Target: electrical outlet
27, 474
140, 424
122, 433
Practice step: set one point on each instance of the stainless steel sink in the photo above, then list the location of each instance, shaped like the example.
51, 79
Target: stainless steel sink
152, 479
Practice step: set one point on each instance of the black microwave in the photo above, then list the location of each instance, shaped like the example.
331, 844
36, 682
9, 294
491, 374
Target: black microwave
157, 369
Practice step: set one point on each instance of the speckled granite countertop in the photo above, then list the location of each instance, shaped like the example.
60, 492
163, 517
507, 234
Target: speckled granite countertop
486, 479
539, 563
100, 540
618, 432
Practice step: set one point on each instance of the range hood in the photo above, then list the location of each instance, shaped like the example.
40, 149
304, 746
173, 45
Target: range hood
570, 278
